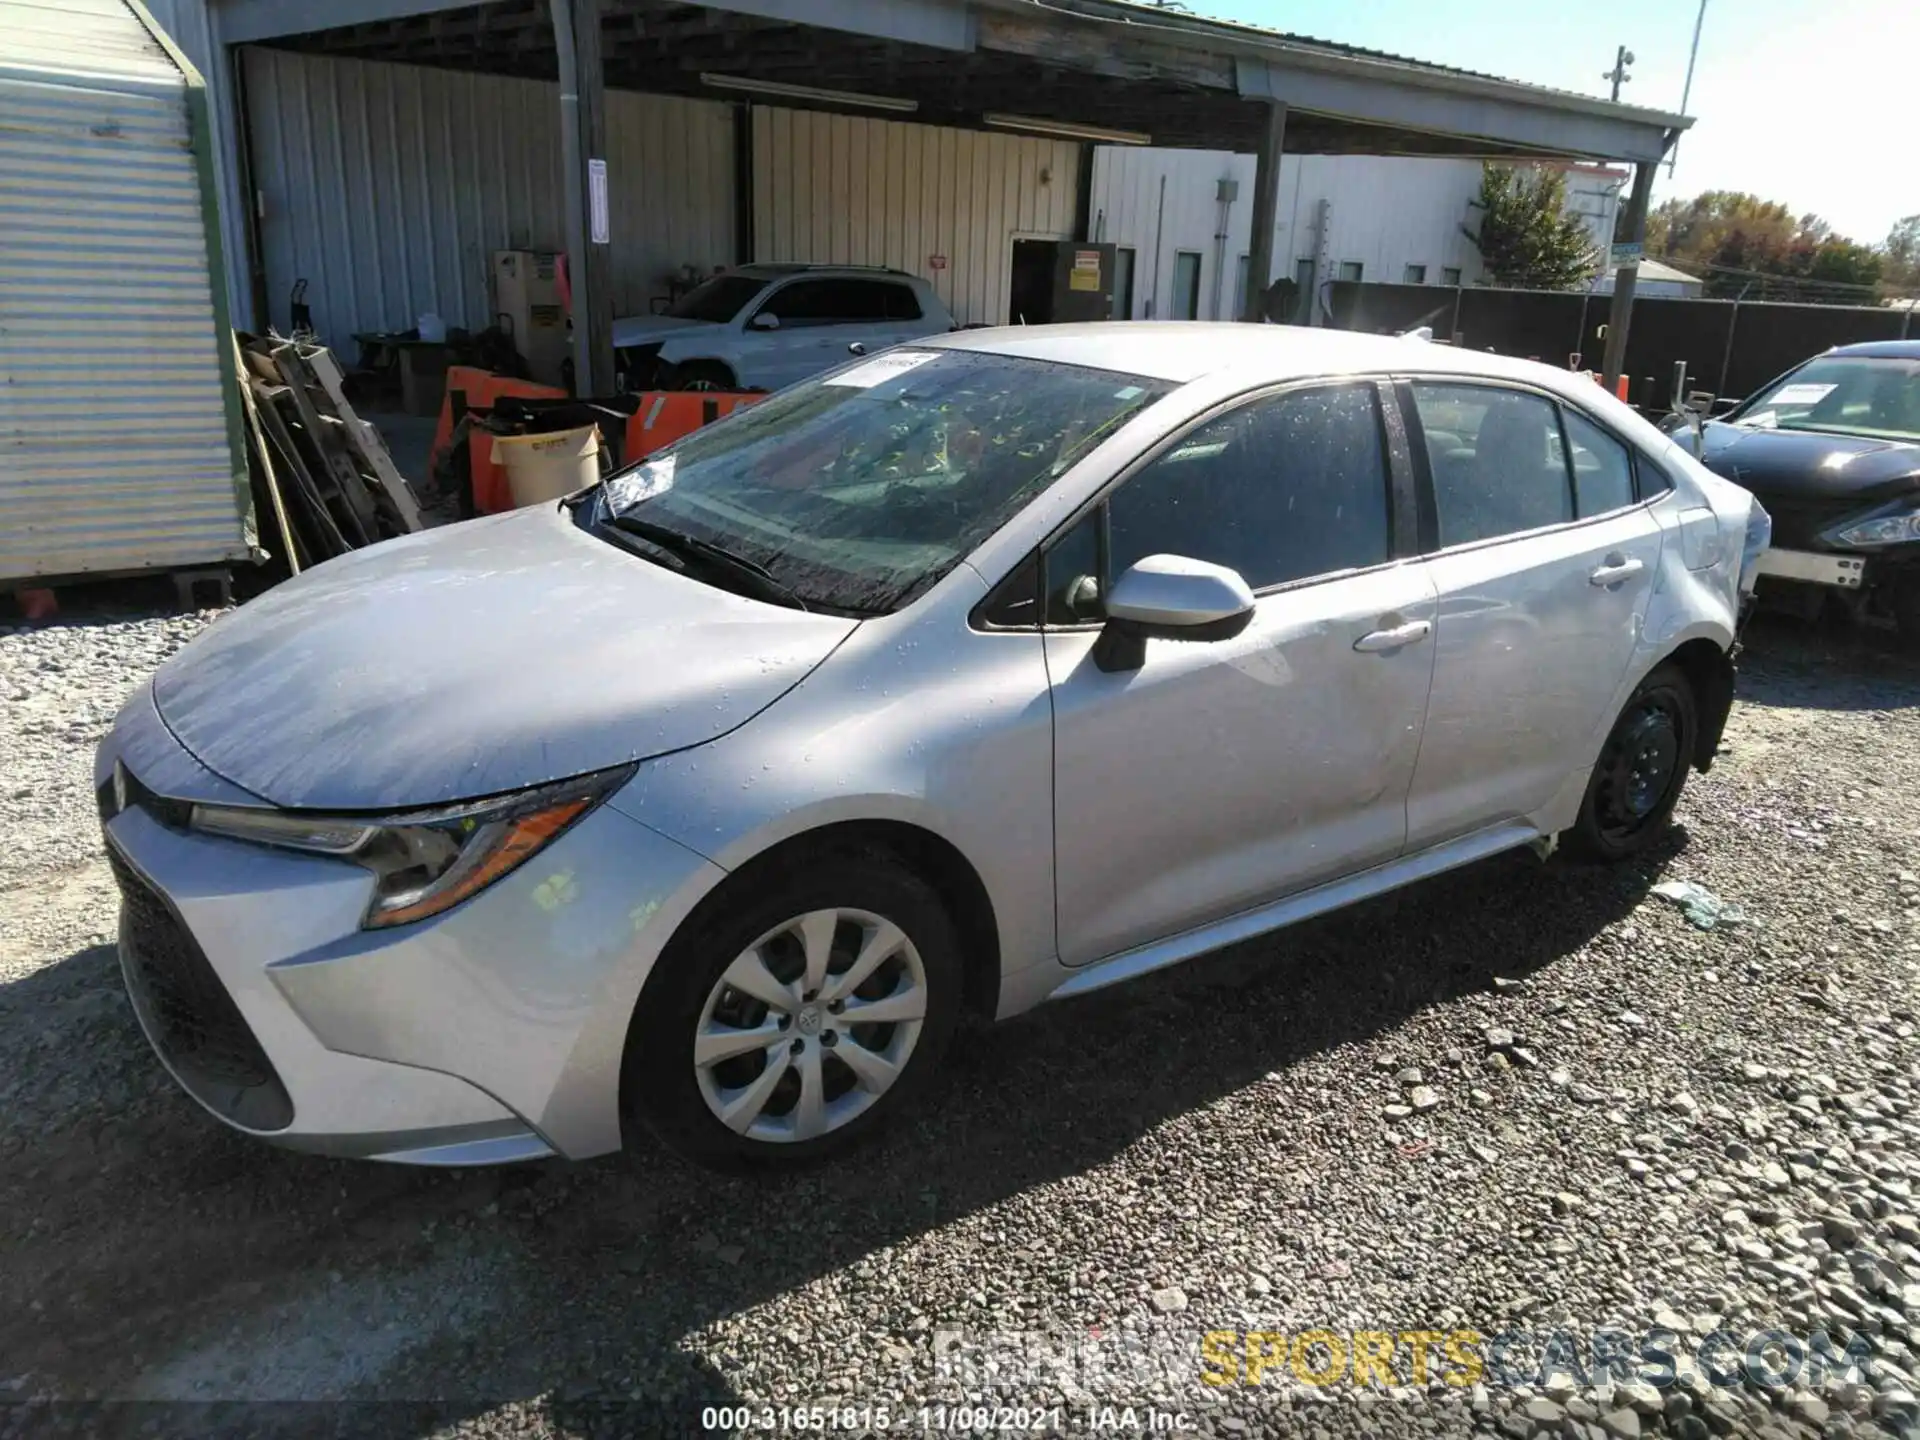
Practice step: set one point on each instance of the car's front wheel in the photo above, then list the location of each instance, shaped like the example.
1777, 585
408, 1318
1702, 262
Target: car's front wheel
1641, 770
704, 375
810, 1004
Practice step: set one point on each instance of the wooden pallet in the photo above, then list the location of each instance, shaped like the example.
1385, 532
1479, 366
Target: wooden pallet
328, 481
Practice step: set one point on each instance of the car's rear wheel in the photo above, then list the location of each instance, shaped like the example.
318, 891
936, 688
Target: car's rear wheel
705, 375
810, 1006
1641, 771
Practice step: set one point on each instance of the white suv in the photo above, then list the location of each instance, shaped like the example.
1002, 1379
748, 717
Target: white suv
762, 327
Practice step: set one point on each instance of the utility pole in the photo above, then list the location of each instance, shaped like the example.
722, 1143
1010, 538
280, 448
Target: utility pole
583, 148
1622, 58
1686, 90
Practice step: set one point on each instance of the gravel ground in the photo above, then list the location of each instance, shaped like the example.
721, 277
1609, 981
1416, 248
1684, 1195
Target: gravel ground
1520, 1099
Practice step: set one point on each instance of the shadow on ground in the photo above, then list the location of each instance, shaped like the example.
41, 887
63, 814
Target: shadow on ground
1830, 664
144, 1228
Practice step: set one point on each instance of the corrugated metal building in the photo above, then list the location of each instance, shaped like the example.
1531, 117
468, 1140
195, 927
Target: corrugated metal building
382, 149
387, 187
1397, 219
934, 201
119, 437
343, 159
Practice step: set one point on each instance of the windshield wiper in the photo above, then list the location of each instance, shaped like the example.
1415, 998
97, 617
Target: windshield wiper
760, 580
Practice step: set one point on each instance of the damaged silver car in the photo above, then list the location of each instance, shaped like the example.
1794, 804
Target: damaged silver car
994, 669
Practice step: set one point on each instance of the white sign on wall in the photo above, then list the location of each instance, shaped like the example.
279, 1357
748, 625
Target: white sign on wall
597, 203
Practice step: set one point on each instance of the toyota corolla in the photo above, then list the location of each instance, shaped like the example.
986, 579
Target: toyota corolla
995, 669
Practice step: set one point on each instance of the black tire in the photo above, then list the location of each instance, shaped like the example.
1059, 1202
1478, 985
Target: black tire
1641, 770
659, 1087
703, 375
1903, 598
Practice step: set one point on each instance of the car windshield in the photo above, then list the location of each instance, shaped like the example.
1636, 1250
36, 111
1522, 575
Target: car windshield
1852, 394
857, 491
717, 300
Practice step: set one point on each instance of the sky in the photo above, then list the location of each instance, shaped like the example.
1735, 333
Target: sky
1809, 102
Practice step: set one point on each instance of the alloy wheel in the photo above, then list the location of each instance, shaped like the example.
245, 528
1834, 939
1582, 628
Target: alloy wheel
810, 1025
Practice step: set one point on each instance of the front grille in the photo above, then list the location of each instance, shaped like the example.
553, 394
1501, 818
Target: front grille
189, 1015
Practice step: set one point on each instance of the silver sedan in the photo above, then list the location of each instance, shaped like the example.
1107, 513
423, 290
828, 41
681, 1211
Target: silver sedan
998, 668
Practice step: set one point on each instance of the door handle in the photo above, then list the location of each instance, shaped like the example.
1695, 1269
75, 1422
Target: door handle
1616, 569
1393, 637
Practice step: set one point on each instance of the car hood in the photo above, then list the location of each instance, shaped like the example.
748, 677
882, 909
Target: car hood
1808, 465
475, 659
652, 329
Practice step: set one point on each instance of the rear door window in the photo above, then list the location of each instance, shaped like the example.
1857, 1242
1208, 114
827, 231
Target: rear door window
1498, 464
1602, 467
897, 302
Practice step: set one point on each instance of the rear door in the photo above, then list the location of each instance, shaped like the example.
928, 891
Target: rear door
1544, 562
1222, 774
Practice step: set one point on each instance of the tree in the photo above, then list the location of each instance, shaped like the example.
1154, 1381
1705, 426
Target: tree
1743, 246
1839, 261
1527, 236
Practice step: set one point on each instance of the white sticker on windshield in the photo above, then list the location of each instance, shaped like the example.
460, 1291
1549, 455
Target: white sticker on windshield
881, 369
1127, 394
642, 482
1803, 394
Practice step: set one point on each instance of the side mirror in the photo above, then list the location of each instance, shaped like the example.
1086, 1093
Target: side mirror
764, 321
1170, 597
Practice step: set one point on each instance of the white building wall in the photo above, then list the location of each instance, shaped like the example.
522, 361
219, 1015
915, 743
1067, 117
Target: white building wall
848, 190
1382, 213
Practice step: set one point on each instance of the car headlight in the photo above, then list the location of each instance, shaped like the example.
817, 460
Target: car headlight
424, 861
1895, 524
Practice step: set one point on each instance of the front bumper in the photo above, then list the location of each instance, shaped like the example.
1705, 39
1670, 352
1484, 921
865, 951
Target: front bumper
492, 1032
1814, 567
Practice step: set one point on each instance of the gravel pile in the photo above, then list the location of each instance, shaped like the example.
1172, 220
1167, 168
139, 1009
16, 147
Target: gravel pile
1536, 1102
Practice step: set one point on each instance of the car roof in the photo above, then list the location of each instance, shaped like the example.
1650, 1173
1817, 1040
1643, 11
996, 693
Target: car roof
1881, 349
780, 269
1185, 350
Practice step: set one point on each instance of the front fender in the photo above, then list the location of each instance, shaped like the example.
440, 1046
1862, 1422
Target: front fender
918, 719
704, 349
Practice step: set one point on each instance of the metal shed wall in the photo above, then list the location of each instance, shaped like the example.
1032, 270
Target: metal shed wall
116, 447
389, 187
191, 26
855, 191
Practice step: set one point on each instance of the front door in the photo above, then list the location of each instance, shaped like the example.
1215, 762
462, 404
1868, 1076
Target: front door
1544, 571
1223, 774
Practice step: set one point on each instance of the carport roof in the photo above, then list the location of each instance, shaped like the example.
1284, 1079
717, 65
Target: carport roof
1180, 79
